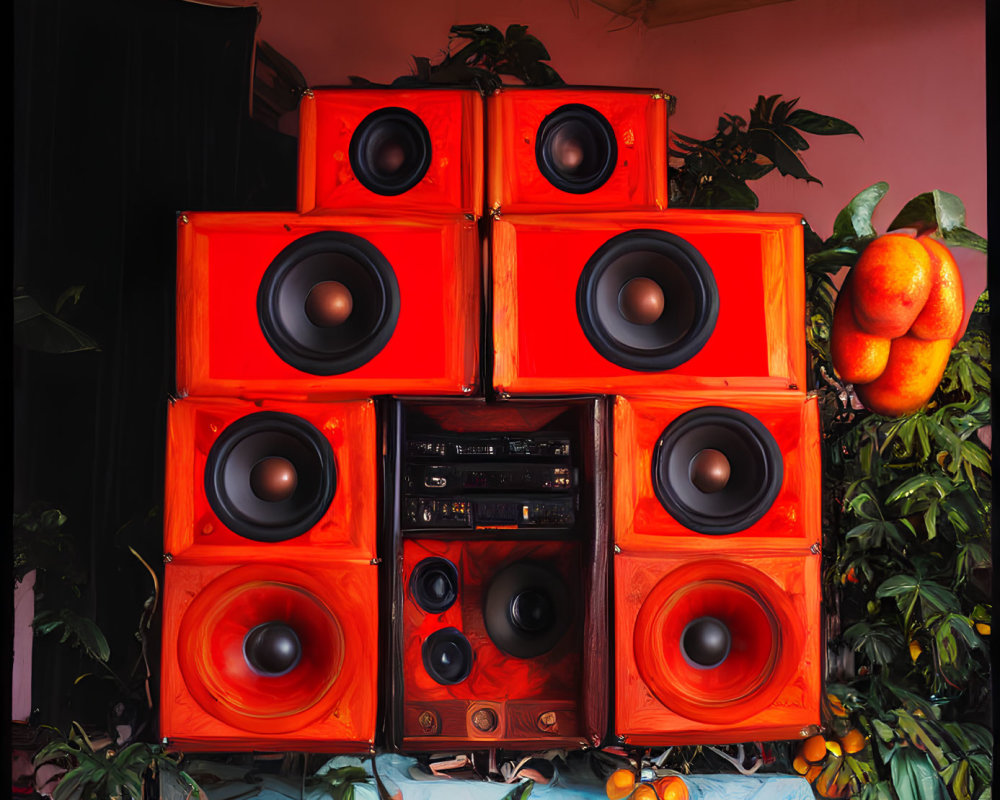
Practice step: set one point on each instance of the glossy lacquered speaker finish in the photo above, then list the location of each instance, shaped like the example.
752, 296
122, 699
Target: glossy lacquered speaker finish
668, 490
270, 480
491, 640
281, 305
716, 647
576, 149
272, 655
647, 303
391, 151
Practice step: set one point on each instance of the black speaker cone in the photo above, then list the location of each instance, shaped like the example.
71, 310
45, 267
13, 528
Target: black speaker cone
527, 609
447, 656
270, 476
576, 149
390, 151
434, 585
647, 300
705, 642
272, 649
717, 470
328, 303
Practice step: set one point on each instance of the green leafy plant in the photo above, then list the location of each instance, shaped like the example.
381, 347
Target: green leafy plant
714, 172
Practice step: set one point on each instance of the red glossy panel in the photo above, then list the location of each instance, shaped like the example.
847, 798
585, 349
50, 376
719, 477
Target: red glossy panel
793, 520
194, 531
764, 695
221, 349
521, 689
211, 700
638, 118
453, 182
540, 346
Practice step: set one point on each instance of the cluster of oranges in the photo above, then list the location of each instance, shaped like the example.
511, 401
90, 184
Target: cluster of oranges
898, 315
821, 761
622, 784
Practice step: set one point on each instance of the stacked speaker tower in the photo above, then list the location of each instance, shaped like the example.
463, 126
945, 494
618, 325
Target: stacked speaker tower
485, 447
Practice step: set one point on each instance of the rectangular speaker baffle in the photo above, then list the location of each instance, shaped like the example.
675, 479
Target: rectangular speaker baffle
576, 149
274, 305
271, 480
643, 304
716, 649
391, 151
270, 655
500, 625
714, 471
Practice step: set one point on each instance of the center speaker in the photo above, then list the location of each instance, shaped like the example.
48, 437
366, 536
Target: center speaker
643, 303
281, 305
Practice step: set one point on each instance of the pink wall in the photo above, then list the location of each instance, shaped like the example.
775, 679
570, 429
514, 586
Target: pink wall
909, 74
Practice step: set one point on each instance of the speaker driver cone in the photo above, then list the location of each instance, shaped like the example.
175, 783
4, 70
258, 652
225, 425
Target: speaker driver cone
434, 585
647, 300
575, 149
527, 609
717, 470
270, 476
328, 303
390, 151
447, 656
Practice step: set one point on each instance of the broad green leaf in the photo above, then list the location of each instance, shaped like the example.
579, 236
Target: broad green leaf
855, 219
963, 237
921, 738
37, 329
819, 124
913, 776
940, 211
769, 144
884, 732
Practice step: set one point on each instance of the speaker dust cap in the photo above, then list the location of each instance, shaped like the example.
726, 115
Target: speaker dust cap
527, 609
575, 148
270, 476
647, 300
328, 303
390, 151
717, 470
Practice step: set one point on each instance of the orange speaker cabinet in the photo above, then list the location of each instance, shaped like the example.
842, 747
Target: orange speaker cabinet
271, 480
270, 656
492, 645
576, 149
714, 649
391, 151
298, 307
713, 471
643, 303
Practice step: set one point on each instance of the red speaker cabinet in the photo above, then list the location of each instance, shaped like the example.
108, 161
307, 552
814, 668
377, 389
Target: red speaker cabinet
500, 558
576, 149
737, 470
647, 303
299, 307
270, 480
391, 151
270, 655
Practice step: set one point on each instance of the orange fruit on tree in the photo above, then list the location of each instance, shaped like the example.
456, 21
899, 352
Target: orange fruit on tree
619, 784
813, 772
643, 792
942, 314
858, 357
853, 741
914, 371
891, 283
671, 787
800, 765
813, 749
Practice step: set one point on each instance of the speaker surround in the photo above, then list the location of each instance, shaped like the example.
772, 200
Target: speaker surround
527, 609
749, 455
289, 286
576, 149
390, 151
690, 300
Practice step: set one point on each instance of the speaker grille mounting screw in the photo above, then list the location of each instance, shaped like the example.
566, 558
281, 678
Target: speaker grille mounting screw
167, 558
816, 548
548, 722
428, 722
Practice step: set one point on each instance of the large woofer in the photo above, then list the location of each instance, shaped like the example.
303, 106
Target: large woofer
390, 151
527, 609
260, 648
717, 640
328, 303
434, 585
647, 300
575, 149
717, 470
270, 476
447, 656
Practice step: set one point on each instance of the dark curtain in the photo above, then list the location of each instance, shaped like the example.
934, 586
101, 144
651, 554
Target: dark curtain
125, 114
